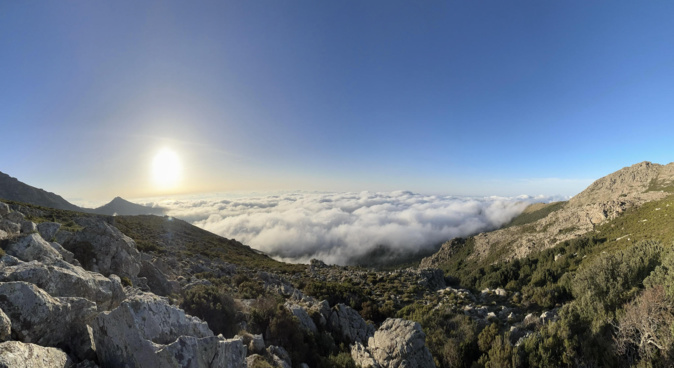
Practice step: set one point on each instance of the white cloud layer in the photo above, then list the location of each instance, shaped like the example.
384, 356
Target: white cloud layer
338, 228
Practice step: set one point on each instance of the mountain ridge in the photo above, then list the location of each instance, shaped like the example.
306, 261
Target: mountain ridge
14, 190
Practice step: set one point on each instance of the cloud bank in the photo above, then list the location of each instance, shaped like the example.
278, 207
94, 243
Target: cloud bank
340, 228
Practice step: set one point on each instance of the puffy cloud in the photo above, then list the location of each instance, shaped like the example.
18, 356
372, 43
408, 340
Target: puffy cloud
340, 228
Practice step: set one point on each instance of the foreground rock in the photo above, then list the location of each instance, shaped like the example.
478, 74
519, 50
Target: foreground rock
145, 331
15, 354
349, 325
32, 247
397, 343
62, 279
39, 318
5, 327
101, 247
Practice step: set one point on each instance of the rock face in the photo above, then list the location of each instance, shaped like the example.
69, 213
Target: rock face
5, 327
48, 230
397, 343
145, 331
39, 318
305, 320
604, 200
156, 280
59, 278
15, 354
32, 247
101, 247
349, 325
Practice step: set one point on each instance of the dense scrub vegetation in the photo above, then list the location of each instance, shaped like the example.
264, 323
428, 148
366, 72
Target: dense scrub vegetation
613, 290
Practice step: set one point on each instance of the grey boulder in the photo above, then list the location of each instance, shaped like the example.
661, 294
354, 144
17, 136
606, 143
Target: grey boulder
349, 325
397, 343
146, 331
32, 248
15, 354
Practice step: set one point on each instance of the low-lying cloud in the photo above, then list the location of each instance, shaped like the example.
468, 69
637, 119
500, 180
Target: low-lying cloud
338, 228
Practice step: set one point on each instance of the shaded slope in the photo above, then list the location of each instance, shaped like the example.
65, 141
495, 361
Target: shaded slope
12, 189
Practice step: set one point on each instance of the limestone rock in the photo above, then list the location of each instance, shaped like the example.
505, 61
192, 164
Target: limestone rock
32, 247
400, 343
156, 280
349, 325
61, 279
257, 344
39, 318
15, 354
28, 227
280, 356
11, 228
362, 356
15, 216
146, 331
305, 320
101, 247
67, 255
5, 327
4, 209
48, 230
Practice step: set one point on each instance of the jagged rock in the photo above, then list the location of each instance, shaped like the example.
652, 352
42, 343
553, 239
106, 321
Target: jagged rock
4, 209
67, 255
3, 234
549, 316
101, 247
15, 216
11, 228
15, 354
157, 281
48, 230
349, 325
39, 318
305, 320
31, 248
400, 343
256, 344
501, 292
146, 331
28, 227
431, 278
280, 356
61, 279
362, 357
5, 327
256, 360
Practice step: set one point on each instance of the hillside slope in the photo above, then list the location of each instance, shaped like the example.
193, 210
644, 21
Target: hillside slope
603, 200
122, 207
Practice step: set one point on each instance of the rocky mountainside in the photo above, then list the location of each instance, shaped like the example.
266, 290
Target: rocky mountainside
14, 190
75, 291
602, 201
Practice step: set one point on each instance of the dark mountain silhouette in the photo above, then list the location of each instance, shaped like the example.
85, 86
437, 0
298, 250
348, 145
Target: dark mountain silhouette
120, 206
14, 190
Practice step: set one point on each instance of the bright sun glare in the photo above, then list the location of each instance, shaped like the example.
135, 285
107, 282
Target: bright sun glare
166, 169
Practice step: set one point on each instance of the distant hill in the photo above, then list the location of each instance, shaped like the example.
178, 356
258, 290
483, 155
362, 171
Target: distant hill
122, 207
14, 190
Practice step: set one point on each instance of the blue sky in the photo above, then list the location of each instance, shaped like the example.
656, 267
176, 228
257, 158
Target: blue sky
450, 97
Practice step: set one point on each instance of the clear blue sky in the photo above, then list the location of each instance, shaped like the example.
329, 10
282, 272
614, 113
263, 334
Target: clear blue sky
455, 97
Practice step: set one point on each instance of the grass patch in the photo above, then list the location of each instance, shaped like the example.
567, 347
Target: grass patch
533, 216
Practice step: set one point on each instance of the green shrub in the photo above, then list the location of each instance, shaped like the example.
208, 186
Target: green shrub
212, 305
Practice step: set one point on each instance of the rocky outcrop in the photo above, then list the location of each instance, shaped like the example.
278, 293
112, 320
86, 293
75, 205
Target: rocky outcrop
61, 279
302, 316
397, 343
146, 331
48, 230
5, 327
349, 325
101, 247
156, 280
15, 354
39, 318
32, 247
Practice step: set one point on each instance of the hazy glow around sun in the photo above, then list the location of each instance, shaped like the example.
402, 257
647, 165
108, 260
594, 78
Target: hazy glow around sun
166, 169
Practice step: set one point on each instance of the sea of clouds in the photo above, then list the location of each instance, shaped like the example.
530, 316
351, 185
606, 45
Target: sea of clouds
338, 228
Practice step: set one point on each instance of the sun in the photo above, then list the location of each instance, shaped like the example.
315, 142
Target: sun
166, 169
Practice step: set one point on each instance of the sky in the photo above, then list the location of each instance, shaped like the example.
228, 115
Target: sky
472, 98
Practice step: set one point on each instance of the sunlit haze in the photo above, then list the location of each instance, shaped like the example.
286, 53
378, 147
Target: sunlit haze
146, 98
